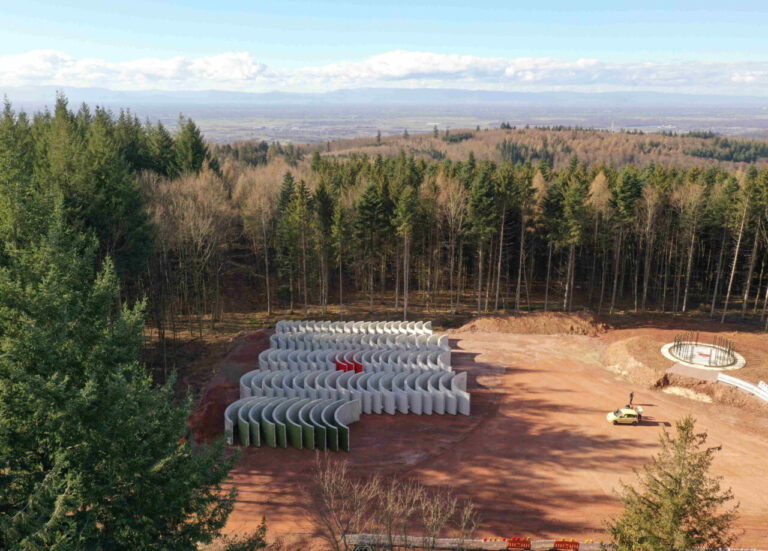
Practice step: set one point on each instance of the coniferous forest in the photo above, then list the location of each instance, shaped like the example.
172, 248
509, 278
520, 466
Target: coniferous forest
111, 227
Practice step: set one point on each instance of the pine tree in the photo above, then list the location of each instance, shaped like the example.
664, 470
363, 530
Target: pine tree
482, 216
162, 151
287, 238
370, 229
676, 505
191, 150
92, 456
405, 218
339, 231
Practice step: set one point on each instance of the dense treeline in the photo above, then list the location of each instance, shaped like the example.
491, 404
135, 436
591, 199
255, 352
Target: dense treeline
301, 229
519, 235
93, 455
724, 149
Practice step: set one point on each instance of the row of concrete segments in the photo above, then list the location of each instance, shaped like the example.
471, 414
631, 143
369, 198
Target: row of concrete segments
370, 327
321, 341
356, 359
297, 422
409, 391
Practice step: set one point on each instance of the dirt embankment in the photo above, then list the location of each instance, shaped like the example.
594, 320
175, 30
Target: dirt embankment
638, 359
206, 422
538, 323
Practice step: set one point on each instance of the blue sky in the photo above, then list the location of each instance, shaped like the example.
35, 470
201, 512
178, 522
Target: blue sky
322, 45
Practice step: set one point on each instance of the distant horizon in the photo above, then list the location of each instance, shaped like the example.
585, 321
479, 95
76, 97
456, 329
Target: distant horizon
51, 90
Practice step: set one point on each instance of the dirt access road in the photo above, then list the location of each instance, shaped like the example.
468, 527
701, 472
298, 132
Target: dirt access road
536, 456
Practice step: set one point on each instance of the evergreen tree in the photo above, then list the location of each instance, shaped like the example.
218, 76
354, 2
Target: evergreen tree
162, 151
676, 505
482, 216
191, 150
405, 218
370, 229
287, 236
92, 456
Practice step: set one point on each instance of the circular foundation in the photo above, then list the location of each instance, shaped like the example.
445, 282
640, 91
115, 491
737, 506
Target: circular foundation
701, 357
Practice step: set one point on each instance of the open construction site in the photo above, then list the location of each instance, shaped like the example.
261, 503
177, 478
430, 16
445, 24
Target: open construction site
535, 454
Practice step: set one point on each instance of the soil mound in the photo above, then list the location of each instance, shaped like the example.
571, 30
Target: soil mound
637, 359
538, 323
207, 421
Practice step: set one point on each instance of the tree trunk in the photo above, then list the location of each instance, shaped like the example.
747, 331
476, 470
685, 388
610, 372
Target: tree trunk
405, 278
304, 270
370, 304
479, 277
397, 279
759, 286
266, 265
748, 283
688, 267
666, 277
450, 274
490, 276
603, 274
341, 292
520, 262
636, 282
735, 263
717, 277
549, 267
460, 282
617, 259
498, 269
568, 278
290, 284
594, 262
646, 271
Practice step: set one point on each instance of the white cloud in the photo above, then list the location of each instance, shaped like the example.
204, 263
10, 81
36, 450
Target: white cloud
240, 71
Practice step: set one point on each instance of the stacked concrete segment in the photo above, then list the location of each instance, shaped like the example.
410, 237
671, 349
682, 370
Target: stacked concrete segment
317, 378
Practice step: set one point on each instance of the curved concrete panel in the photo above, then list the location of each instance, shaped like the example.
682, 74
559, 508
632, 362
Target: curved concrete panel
331, 430
243, 424
346, 414
268, 428
316, 418
279, 416
293, 423
230, 418
307, 426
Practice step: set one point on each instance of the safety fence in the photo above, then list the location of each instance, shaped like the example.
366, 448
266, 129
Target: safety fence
370, 542
317, 378
375, 542
759, 391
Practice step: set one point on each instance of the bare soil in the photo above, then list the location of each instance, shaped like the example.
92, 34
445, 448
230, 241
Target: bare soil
536, 455
546, 323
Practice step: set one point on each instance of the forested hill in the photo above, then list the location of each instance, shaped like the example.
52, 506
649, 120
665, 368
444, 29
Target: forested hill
559, 144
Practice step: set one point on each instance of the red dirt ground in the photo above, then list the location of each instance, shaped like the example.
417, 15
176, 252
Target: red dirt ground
536, 456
